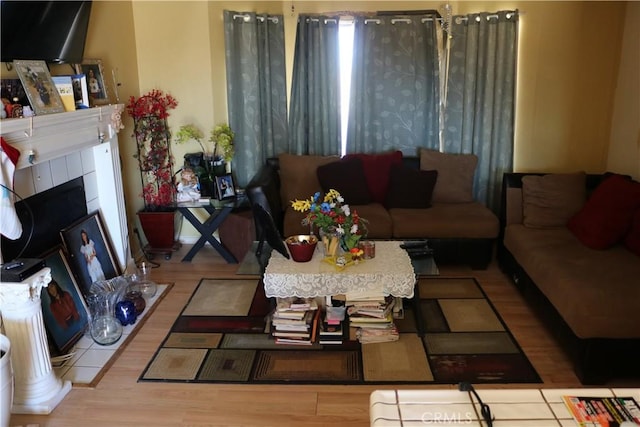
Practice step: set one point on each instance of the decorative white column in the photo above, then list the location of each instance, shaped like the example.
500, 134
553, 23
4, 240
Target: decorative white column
37, 388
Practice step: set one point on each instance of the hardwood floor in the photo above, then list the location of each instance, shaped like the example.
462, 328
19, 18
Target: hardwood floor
119, 400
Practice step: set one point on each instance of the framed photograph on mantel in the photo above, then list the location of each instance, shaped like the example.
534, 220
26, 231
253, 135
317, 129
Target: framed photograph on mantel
92, 69
42, 93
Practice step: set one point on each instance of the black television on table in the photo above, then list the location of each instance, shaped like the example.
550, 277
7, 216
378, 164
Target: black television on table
51, 31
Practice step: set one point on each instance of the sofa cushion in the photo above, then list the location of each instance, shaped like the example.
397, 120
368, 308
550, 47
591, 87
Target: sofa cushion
410, 188
606, 216
632, 240
550, 200
346, 176
446, 220
298, 178
586, 286
377, 168
455, 175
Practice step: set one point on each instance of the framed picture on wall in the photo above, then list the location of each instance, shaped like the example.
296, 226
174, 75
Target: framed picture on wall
90, 252
92, 69
64, 311
41, 92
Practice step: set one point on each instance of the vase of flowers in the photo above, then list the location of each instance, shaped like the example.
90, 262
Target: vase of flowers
153, 142
339, 227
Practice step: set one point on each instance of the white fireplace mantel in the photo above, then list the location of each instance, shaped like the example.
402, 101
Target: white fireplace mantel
56, 148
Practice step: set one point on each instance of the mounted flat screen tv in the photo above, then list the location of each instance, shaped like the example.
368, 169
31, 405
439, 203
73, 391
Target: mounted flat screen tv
51, 31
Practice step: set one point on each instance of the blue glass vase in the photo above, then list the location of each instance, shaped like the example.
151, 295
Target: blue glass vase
126, 312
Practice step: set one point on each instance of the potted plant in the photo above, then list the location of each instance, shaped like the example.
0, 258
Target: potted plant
208, 163
202, 162
153, 142
222, 138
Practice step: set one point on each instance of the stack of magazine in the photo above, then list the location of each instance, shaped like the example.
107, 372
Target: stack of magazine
603, 411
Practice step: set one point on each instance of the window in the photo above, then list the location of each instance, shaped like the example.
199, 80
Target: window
345, 37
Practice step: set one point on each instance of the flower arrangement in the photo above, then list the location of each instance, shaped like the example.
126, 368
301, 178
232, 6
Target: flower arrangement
190, 132
222, 138
333, 215
152, 136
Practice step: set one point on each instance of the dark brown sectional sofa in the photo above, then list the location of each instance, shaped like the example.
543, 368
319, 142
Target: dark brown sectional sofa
589, 298
460, 230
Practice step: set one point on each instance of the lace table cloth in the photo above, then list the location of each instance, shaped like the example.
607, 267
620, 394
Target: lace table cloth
390, 272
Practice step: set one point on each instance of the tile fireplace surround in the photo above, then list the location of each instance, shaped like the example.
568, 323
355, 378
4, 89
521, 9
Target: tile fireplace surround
57, 148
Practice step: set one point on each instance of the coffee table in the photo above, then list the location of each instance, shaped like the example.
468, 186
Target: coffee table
391, 272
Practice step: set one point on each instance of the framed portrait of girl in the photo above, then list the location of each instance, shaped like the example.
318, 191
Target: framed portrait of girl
90, 251
64, 311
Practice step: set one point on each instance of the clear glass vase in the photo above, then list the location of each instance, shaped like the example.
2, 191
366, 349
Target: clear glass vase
141, 281
105, 329
330, 239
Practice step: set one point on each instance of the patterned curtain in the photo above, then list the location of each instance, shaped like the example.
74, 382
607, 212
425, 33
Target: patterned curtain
256, 89
479, 116
314, 118
395, 85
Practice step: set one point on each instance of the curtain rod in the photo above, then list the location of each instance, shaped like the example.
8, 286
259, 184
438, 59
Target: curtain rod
247, 18
423, 20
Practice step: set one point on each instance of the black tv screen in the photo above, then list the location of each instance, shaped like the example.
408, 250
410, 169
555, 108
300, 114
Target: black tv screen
51, 31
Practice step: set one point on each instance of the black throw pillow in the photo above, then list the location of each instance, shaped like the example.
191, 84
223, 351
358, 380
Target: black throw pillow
346, 176
410, 188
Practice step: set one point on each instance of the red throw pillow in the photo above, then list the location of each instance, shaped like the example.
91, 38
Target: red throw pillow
606, 217
632, 241
377, 168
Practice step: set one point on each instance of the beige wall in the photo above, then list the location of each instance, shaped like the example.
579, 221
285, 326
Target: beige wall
569, 66
624, 147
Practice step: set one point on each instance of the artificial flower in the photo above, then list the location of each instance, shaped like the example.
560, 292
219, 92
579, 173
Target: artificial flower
331, 214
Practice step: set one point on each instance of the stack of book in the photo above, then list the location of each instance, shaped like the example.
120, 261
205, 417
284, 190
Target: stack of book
372, 317
295, 321
332, 328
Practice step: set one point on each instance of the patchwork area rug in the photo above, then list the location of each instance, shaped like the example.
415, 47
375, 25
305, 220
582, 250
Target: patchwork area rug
220, 338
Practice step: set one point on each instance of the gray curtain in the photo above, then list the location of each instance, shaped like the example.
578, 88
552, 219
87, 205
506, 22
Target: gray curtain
256, 89
395, 85
314, 117
480, 104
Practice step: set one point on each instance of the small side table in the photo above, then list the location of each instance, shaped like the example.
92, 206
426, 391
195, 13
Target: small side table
218, 211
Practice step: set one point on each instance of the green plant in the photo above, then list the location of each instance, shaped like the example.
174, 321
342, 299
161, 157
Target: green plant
222, 138
189, 132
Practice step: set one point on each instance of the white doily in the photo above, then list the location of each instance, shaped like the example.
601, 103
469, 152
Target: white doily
390, 273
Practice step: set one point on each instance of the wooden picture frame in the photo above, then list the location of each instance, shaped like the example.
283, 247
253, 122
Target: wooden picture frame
91, 254
225, 187
80, 91
64, 312
92, 69
41, 92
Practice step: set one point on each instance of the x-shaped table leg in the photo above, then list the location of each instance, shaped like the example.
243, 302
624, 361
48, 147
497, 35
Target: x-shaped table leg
206, 230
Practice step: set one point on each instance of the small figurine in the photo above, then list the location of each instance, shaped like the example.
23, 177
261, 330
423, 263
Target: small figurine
188, 190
